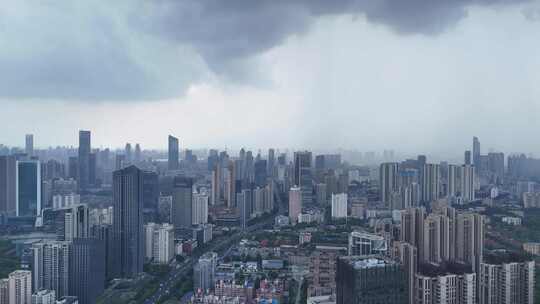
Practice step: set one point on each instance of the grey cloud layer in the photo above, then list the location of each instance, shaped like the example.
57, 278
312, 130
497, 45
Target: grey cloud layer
125, 50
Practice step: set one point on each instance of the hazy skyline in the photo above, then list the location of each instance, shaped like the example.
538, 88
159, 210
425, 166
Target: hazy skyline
369, 75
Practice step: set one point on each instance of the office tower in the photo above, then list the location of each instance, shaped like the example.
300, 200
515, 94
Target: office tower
28, 187
412, 231
128, 153
200, 209
85, 148
269, 200
496, 167
476, 153
8, 184
407, 255
370, 279
302, 174
295, 203
343, 183
29, 145
430, 182
128, 221
271, 162
50, 266
363, 243
320, 194
470, 239
213, 158
73, 167
339, 205
258, 201
388, 181
467, 183
20, 287
87, 269
137, 158
174, 151
104, 233
507, 280
467, 157
150, 190
44, 296
204, 272
181, 210
4, 291
92, 167
260, 172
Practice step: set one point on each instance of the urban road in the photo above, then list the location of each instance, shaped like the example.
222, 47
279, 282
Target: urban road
220, 245
180, 271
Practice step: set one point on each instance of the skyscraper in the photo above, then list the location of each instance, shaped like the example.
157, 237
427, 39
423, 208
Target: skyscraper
476, 153
174, 151
470, 239
29, 145
28, 188
85, 148
370, 279
295, 203
467, 183
87, 269
8, 187
50, 269
271, 162
44, 296
128, 221
128, 153
200, 209
467, 158
303, 174
4, 291
388, 181
181, 210
137, 157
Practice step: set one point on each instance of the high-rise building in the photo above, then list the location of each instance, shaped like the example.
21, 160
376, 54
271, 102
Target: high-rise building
137, 157
8, 184
150, 190
467, 158
388, 181
159, 242
476, 153
470, 239
303, 177
467, 183
128, 152
174, 153
271, 162
4, 291
320, 194
412, 231
128, 221
370, 279
87, 269
72, 222
44, 296
496, 166
51, 266
431, 179
199, 209
204, 272
28, 188
507, 281
363, 243
448, 284
20, 287
407, 254
85, 148
181, 210
339, 205
29, 145
295, 204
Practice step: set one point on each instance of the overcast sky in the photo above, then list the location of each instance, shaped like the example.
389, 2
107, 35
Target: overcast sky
415, 76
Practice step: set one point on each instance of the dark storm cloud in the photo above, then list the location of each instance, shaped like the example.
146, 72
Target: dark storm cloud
126, 50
